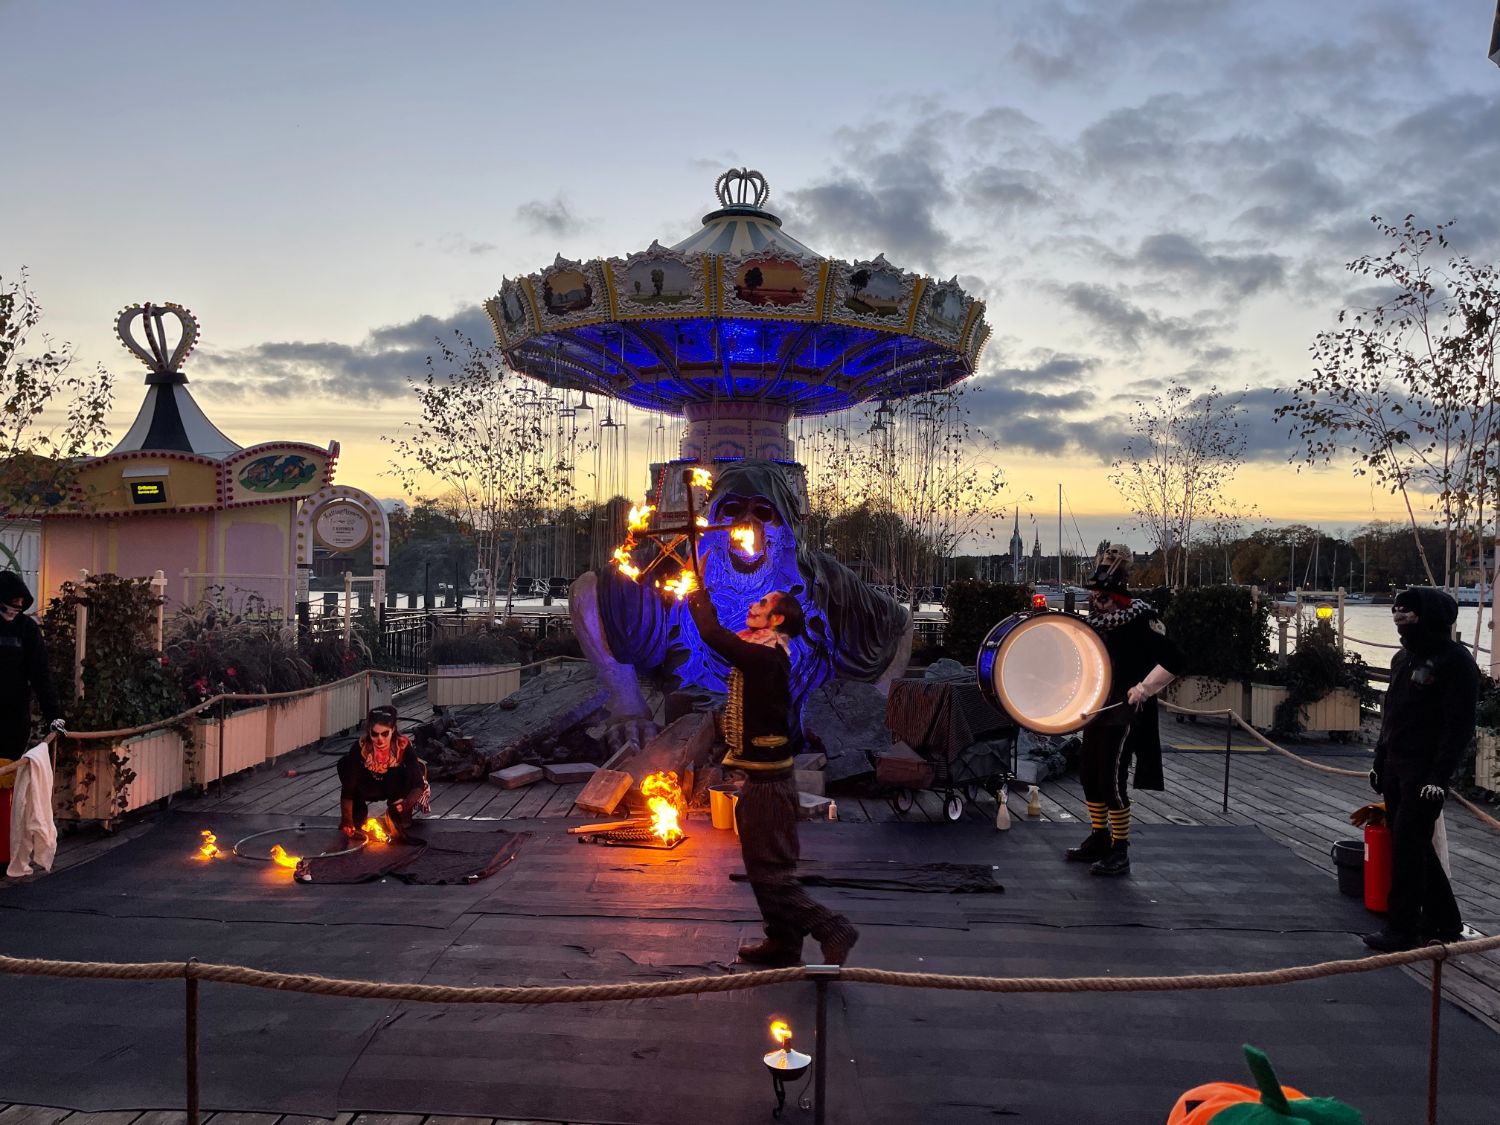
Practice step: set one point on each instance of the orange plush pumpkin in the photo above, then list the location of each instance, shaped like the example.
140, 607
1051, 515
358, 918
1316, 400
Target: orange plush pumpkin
1269, 1103
1199, 1105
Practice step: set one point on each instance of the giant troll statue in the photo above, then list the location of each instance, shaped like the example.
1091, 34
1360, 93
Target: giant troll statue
853, 631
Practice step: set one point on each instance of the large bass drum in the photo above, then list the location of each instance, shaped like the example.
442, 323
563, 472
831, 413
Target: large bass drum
1045, 669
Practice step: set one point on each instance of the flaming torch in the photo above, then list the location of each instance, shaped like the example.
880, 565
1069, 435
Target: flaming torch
785, 1064
209, 849
664, 799
640, 528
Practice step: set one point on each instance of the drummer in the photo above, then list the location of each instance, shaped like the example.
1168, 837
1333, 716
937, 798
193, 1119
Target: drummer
1142, 662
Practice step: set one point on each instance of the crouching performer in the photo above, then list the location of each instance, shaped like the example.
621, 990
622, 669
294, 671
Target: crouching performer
1142, 661
382, 766
757, 726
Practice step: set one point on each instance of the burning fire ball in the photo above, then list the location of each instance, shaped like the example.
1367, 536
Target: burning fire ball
785, 1065
209, 848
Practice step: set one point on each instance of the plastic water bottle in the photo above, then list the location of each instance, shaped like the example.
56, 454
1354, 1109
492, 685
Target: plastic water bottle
1033, 801
1002, 816
833, 810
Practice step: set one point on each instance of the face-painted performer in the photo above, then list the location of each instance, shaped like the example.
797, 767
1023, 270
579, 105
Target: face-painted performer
1425, 727
762, 741
1142, 661
382, 766
852, 630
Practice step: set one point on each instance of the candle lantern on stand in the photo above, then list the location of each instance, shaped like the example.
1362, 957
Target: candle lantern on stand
784, 1063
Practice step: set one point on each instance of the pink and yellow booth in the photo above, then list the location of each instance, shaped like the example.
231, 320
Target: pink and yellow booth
177, 496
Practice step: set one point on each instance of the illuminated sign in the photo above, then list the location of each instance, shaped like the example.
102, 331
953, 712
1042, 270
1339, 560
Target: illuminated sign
342, 526
148, 491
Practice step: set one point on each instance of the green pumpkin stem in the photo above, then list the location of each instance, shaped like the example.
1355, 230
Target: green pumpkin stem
1265, 1077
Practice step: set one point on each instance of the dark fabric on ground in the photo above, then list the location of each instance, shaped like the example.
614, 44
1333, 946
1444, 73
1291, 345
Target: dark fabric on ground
435, 858
909, 878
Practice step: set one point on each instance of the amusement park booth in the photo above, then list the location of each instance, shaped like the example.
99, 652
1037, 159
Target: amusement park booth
177, 496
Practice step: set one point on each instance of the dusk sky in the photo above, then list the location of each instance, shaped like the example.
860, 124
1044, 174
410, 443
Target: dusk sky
1140, 191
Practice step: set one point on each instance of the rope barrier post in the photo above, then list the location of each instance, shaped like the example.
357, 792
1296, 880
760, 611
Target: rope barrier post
191, 1045
1432, 1049
1228, 753
821, 975
223, 703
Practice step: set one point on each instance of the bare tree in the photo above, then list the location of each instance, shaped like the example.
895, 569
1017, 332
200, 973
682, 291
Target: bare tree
1408, 389
482, 438
50, 416
1177, 464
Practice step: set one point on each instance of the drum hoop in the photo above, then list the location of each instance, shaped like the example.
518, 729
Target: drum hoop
1067, 622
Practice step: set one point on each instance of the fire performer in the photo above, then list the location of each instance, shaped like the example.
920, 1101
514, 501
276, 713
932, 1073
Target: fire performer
382, 765
1142, 661
1425, 726
757, 726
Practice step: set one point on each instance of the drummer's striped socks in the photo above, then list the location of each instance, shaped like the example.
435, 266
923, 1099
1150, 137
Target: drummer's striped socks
1097, 812
1119, 825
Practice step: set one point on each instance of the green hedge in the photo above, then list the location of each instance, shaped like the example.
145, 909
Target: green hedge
974, 608
1222, 632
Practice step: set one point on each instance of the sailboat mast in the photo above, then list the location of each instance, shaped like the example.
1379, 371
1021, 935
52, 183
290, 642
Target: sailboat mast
1059, 535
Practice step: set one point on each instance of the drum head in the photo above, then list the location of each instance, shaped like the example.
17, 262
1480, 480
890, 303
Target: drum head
1049, 671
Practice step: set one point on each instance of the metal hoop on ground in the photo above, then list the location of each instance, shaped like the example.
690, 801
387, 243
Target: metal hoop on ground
363, 840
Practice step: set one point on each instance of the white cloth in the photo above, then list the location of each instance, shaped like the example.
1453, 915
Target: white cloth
1440, 844
33, 832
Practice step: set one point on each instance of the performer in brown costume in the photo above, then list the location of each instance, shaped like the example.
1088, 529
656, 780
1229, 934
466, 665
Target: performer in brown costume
382, 765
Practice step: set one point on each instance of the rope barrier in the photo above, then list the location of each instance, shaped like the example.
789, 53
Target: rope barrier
730, 982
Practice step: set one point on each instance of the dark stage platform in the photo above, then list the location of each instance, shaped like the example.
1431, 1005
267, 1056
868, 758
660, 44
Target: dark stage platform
1200, 900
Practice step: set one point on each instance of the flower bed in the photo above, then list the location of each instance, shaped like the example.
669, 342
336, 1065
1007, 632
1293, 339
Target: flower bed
1487, 759
1204, 693
1337, 711
244, 744
458, 685
146, 767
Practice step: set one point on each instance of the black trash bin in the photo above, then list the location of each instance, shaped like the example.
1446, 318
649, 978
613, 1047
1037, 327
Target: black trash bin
1349, 858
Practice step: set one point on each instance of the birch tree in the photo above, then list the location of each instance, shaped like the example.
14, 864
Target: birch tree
1176, 466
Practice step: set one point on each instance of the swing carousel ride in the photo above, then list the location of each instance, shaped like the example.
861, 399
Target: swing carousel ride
738, 331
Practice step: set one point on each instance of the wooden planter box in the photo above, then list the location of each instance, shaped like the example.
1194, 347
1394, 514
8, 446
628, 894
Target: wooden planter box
459, 685
294, 723
1487, 759
343, 704
1336, 711
245, 734
1200, 693
157, 759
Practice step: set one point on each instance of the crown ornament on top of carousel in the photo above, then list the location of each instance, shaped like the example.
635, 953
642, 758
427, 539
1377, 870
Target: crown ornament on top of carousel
738, 328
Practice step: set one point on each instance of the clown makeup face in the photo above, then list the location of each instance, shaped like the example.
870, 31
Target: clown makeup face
1100, 602
760, 615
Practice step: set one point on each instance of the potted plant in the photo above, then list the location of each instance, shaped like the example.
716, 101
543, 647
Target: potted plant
1223, 633
1487, 737
1320, 688
479, 665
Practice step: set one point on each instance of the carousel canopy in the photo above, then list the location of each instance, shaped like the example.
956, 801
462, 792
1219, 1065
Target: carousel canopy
739, 311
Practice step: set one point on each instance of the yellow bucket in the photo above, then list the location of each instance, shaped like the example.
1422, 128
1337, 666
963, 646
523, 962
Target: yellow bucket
721, 802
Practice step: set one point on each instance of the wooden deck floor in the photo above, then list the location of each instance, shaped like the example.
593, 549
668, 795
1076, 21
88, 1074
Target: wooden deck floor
1302, 808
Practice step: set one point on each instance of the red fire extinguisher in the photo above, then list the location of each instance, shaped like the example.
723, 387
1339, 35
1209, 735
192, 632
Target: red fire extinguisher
1377, 867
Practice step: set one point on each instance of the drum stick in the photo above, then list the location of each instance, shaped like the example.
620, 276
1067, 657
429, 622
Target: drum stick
1101, 710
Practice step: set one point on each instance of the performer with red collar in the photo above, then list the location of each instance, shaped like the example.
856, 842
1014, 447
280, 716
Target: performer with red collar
757, 730
1142, 661
382, 765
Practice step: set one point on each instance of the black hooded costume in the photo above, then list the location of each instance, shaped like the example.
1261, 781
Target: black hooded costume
1425, 727
23, 671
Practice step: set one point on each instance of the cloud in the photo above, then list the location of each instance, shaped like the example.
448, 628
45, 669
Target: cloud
1130, 326
550, 216
1007, 190
376, 368
1180, 257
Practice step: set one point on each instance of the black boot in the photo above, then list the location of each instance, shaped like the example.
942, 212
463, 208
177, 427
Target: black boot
1117, 862
1096, 846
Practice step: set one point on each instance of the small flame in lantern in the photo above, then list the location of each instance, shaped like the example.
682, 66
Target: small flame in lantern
640, 517
744, 538
374, 830
702, 478
664, 799
683, 585
279, 856
210, 846
627, 568
781, 1031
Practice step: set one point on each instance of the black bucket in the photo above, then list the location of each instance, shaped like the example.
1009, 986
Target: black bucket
1349, 858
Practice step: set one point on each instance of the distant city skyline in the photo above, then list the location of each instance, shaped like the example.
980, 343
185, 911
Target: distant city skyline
1140, 191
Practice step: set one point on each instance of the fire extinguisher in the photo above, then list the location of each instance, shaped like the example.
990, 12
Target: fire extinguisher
1377, 867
